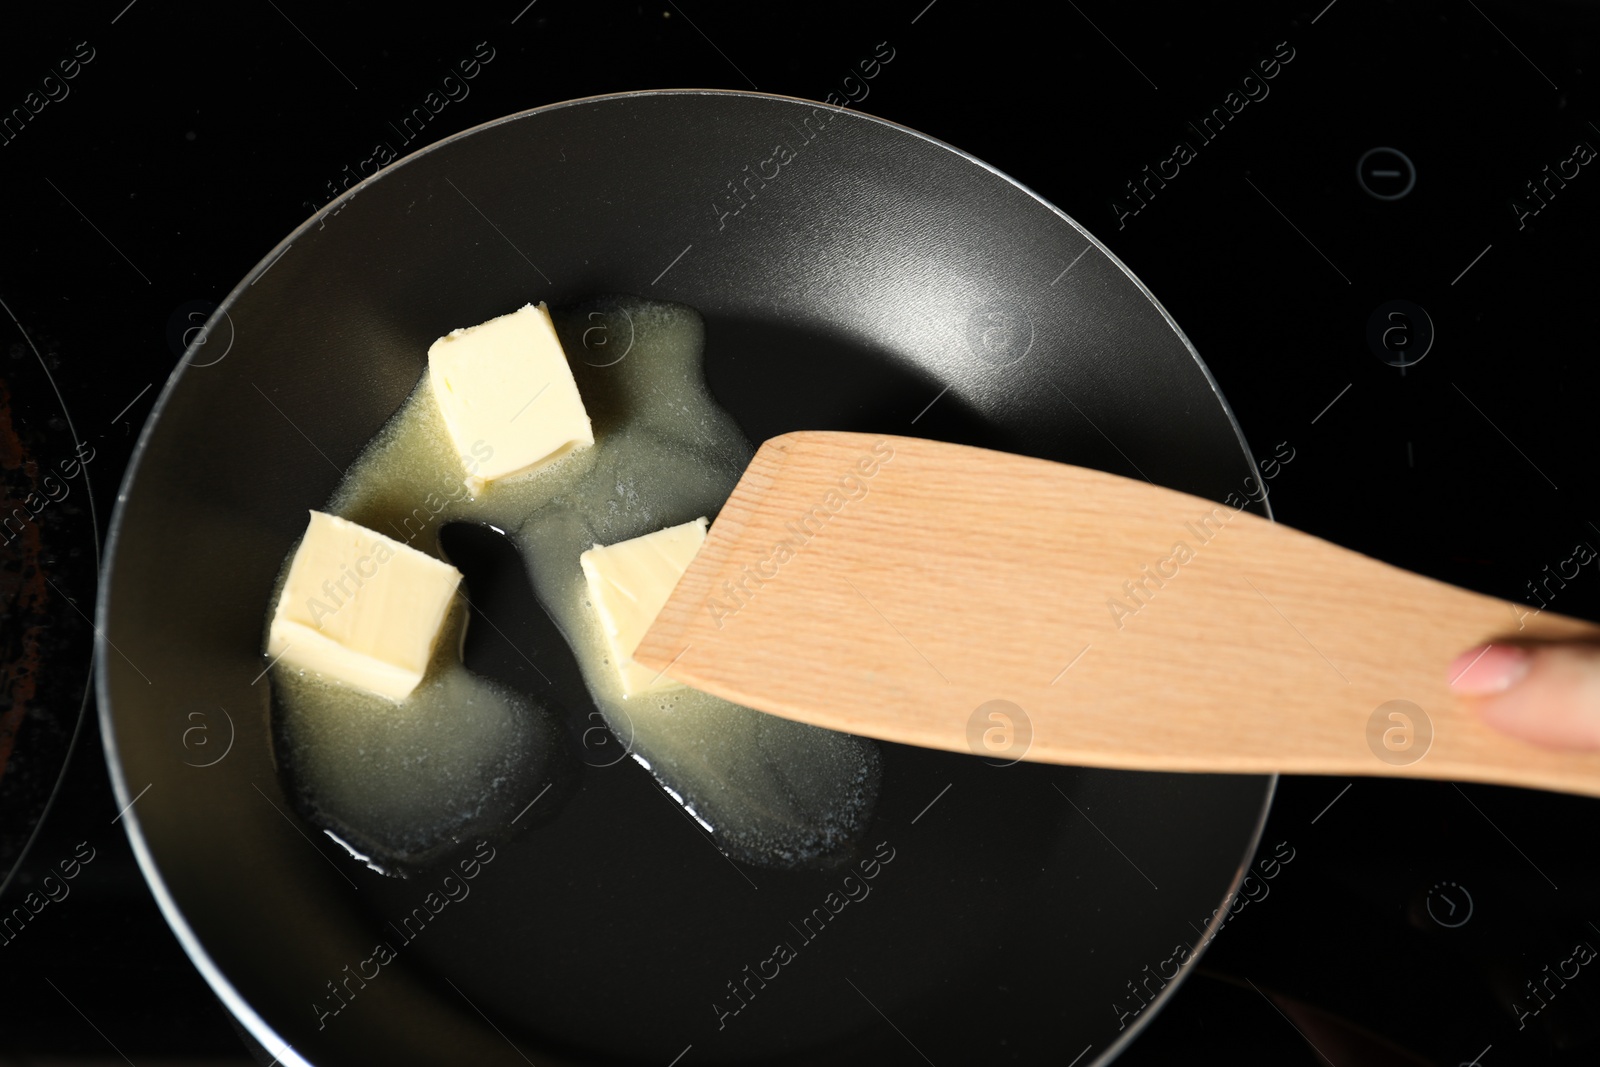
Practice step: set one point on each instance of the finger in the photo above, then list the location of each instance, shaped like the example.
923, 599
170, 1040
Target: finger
1547, 694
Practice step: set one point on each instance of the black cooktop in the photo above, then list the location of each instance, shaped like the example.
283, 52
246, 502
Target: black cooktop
1372, 219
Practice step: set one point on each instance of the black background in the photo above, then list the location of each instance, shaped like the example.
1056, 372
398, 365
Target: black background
197, 137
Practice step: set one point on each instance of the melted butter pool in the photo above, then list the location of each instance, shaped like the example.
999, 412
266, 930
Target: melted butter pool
460, 755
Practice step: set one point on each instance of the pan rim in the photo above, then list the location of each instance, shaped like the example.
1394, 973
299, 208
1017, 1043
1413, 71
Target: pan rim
258, 1028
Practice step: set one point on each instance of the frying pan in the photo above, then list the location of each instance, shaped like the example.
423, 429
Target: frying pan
852, 274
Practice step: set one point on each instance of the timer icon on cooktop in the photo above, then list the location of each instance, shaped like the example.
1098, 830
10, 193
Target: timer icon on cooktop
1449, 905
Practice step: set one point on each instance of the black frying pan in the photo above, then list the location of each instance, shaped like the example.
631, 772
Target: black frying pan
1028, 911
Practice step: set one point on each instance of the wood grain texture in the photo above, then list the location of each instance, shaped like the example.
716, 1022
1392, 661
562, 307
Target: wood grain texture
893, 587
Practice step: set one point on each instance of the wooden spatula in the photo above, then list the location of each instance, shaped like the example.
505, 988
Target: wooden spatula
970, 600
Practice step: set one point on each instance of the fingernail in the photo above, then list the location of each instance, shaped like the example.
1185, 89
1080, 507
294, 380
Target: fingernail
1488, 669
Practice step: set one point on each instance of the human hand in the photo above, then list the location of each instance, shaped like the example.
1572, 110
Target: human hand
1548, 694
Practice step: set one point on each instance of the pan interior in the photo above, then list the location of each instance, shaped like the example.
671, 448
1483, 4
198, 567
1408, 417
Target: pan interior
852, 275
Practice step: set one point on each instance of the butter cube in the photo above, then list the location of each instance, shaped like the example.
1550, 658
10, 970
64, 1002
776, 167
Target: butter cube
507, 395
629, 583
360, 608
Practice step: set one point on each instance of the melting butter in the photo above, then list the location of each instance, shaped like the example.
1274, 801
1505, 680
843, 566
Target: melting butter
772, 792
399, 784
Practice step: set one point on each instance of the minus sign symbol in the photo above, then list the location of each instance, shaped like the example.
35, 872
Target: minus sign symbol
1386, 174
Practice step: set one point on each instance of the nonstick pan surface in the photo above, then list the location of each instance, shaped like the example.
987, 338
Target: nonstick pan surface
852, 274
